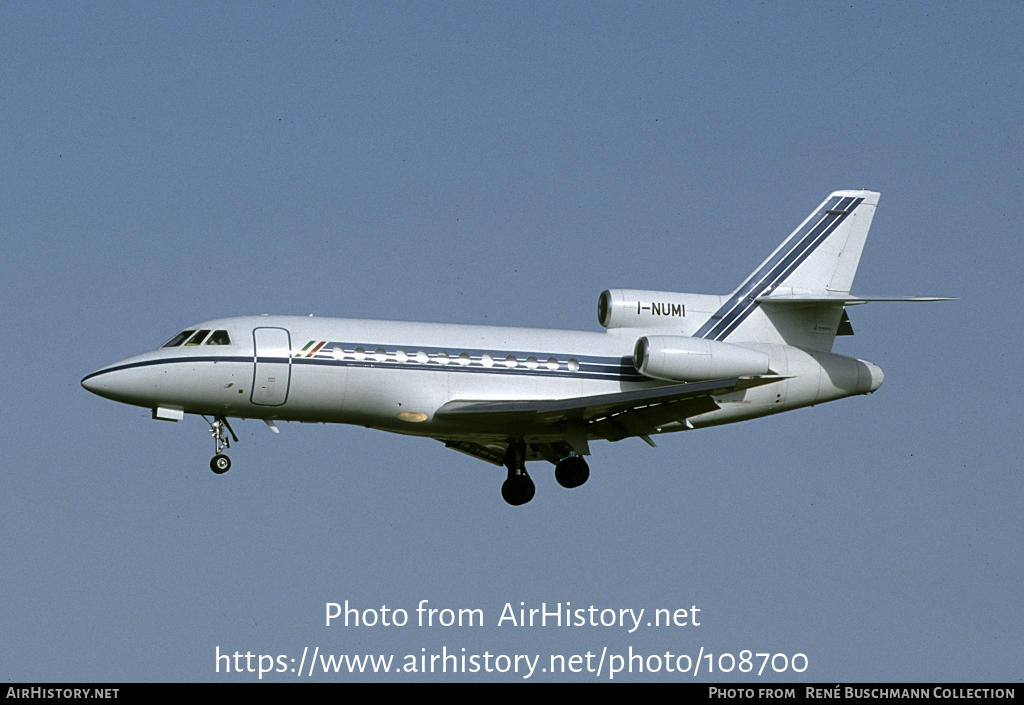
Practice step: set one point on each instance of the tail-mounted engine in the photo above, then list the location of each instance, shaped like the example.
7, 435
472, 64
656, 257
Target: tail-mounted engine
679, 314
682, 359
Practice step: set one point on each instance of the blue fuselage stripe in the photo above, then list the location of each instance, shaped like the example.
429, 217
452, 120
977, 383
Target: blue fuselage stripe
607, 368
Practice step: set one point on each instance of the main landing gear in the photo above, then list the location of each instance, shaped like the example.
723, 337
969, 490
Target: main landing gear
519, 489
219, 429
572, 472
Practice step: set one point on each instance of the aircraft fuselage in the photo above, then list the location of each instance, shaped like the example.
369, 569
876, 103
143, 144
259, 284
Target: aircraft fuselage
394, 376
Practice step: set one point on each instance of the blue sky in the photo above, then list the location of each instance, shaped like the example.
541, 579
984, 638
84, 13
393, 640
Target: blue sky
503, 164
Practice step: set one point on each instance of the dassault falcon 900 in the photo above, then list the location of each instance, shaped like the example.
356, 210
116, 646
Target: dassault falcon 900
666, 362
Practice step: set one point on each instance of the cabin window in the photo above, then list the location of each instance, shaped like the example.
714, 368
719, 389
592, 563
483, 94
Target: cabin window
219, 337
179, 339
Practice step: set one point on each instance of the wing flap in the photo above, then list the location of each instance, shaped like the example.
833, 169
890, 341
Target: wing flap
648, 419
495, 453
478, 450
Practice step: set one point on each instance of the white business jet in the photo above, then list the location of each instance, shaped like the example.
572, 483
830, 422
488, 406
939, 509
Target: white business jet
667, 362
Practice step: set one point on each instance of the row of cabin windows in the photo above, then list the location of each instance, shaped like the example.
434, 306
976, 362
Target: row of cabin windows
199, 337
443, 358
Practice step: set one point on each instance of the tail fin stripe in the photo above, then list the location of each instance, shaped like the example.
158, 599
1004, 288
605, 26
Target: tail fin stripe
795, 261
797, 248
775, 271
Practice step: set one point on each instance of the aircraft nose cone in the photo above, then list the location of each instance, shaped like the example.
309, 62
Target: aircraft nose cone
89, 384
128, 381
102, 383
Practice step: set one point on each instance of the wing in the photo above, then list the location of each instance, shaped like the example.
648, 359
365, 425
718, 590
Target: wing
609, 416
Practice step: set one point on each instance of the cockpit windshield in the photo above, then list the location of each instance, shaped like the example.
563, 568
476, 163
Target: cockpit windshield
219, 337
194, 337
198, 338
179, 339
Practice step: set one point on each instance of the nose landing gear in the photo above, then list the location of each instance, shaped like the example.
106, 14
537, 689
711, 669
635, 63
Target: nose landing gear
219, 429
220, 463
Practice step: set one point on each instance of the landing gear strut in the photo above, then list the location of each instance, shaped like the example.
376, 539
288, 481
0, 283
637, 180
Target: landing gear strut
219, 429
518, 488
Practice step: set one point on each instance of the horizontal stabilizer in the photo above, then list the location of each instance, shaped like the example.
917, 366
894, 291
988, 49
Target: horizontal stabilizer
841, 299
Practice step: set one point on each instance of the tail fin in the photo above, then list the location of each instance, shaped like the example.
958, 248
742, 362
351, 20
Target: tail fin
813, 269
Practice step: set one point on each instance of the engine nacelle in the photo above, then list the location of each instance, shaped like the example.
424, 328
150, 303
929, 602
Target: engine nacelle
680, 359
672, 312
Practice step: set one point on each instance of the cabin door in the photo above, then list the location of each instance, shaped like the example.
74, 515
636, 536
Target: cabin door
273, 366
